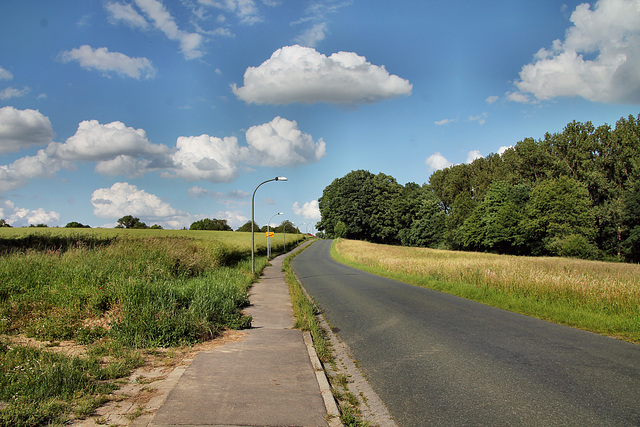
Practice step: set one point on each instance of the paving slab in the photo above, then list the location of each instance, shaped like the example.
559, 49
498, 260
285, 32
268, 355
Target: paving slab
267, 379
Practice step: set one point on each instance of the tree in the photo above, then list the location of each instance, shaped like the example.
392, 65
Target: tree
247, 227
129, 221
75, 224
211, 224
4, 223
559, 217
427, 228
286, 226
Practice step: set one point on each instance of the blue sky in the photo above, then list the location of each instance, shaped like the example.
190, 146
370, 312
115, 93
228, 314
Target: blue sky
174, 111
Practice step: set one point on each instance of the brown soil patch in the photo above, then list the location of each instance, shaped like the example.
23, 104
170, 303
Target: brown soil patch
131, 401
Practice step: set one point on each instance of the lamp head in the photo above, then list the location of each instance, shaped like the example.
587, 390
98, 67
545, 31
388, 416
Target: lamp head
281, 178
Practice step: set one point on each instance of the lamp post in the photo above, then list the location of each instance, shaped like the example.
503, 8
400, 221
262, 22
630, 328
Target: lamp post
253, 246
269, 238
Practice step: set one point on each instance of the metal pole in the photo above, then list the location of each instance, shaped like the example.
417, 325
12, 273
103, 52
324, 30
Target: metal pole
253, 246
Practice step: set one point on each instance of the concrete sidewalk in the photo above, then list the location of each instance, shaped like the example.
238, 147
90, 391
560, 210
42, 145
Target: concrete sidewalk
270, 378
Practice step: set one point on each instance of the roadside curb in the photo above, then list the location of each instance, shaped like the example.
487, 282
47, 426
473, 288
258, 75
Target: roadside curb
333, 413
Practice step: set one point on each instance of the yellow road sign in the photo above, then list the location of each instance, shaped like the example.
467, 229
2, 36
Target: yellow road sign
270, 234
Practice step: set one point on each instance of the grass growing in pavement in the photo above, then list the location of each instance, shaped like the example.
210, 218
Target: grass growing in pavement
597, 296
119, 295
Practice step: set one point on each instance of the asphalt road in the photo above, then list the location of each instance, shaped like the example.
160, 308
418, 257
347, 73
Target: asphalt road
436, 359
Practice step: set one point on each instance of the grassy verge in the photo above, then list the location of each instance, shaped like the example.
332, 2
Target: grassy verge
117, 296
305, 311
591, 295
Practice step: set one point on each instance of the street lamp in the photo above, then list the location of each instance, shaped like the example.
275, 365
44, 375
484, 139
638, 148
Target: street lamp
269, 237
253, 246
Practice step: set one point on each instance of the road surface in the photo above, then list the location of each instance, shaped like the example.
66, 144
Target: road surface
436, 359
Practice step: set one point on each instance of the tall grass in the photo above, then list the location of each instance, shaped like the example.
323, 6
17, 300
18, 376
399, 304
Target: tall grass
116, 294
598, 296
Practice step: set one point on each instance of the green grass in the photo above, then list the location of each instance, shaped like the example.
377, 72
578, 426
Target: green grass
590, 295
119, 293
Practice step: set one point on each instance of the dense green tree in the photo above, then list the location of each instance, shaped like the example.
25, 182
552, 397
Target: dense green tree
129, 221
428, 227
558, 216
211, 224
4, 223
247, 227
75, 224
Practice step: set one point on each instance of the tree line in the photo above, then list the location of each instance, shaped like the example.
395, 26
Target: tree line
575, 193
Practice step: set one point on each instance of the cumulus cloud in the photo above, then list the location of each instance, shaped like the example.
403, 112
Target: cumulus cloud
118, 149
17, 174
123, 198
598, 60
23, 128
309, 210
280, 143
102, 60
437, 161
301, 74
5, 74
473, 155
235, 219
206, 157
21, 217
491, 99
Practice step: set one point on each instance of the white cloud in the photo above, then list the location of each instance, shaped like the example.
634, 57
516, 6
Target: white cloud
473, 155
5, 74
162, 19
309, 210
312, 36
123, 199
23, 128
12, 92
21, 217
281, 143
245, 10
437, 161
17, 174
301, 74
101, 59
481, 118
235, 219
492, 99
610, 34
118, 149
504, 148
206, 157
127, 14
444, 122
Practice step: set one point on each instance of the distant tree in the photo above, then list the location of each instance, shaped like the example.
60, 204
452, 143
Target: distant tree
247, 227
4, 223
75, 224
129, 221
211, 224
156, 227
287, 226
340, 230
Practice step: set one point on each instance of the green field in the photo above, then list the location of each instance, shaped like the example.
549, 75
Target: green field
120, 293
